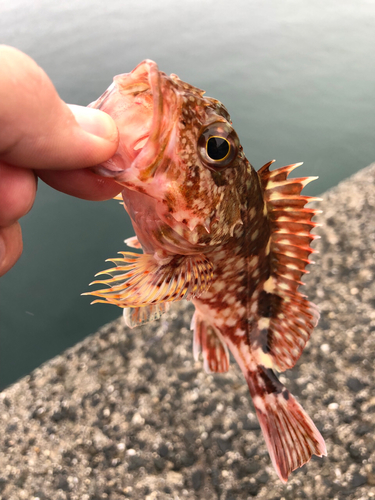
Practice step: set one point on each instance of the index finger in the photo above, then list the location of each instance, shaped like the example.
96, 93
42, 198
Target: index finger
38, 130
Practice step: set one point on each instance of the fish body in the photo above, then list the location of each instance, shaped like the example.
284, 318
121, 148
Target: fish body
214, 231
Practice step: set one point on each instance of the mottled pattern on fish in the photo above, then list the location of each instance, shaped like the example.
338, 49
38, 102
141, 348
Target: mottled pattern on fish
213, 230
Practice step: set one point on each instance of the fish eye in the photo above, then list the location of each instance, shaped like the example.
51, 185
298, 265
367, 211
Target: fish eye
217, 148
218, 145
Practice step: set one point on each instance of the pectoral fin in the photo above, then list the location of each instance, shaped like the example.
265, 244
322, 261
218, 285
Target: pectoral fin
207, 341
139, 280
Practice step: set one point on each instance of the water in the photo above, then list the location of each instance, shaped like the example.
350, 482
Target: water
298, 78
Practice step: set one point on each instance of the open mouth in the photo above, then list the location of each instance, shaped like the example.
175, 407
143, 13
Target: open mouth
135, 102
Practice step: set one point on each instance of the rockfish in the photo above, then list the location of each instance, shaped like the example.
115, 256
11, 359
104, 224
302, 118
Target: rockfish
214, 231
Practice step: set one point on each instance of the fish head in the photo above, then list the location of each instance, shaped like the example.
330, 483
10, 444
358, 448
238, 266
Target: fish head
177, 147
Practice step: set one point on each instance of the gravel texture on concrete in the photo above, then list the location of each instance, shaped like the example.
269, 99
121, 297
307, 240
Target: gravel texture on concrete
129, 414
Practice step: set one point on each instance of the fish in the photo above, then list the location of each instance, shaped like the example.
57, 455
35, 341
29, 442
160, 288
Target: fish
213, 230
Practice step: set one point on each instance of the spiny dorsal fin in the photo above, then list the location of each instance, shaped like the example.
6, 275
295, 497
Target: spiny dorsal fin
207, 341
139, 279
136, 316
288, 330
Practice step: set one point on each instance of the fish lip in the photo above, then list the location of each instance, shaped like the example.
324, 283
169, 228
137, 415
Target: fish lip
149, 155
149, 152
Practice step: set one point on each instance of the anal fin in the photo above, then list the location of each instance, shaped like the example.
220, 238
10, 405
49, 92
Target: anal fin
207, 341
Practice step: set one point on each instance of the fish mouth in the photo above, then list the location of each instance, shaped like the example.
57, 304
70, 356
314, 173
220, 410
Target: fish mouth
136, 103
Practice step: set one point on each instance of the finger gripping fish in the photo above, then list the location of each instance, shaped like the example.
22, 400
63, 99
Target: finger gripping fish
214, 231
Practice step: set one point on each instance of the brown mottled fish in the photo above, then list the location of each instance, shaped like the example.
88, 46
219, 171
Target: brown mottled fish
214, 231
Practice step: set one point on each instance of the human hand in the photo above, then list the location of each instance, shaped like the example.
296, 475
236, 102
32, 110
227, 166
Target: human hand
41, 136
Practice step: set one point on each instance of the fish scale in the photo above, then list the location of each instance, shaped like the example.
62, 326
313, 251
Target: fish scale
234, 241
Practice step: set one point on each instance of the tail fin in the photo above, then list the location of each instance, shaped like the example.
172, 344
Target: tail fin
290, 434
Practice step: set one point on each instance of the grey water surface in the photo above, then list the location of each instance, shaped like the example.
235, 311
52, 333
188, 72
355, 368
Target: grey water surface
298, 78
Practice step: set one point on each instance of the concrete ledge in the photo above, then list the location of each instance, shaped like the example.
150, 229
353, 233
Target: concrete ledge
128, 414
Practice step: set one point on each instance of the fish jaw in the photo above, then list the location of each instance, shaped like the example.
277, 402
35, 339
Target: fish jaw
142, 112
164, 128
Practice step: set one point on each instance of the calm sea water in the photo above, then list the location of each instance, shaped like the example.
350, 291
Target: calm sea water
298, 78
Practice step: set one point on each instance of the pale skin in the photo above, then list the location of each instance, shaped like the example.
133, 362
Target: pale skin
41, 136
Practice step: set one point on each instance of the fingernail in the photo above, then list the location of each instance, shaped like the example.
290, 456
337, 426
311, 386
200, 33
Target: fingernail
95, 122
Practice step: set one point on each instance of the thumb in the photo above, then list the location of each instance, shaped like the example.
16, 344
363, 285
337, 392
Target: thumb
38, 130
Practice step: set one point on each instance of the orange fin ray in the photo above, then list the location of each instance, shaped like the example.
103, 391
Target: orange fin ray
301, 215
290, 200
284, 332
147, 281
289, 187
294, 252
298, 260
279, 173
